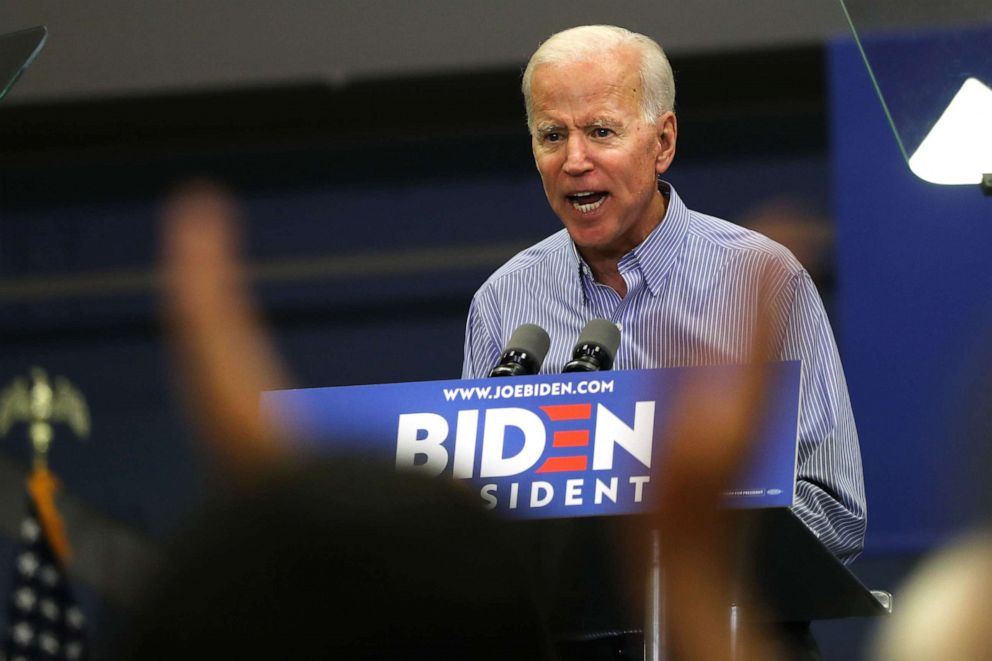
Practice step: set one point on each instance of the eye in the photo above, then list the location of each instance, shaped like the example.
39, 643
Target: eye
601, 132
552, 136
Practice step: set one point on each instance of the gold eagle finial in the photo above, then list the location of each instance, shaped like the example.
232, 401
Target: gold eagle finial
41, 405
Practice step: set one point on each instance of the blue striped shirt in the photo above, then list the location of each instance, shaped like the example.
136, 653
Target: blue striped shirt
691, 299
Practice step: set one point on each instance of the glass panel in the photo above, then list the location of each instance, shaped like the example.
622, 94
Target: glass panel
17, 51
931, 64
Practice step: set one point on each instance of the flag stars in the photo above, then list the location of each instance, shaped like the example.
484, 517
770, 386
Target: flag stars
30, 530
22, 634
50, 609
27, 564
49, 576
74, 650
75, 617
25, 599
44, 621
48, 643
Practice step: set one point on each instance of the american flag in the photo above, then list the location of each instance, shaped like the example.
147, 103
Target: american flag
44, 622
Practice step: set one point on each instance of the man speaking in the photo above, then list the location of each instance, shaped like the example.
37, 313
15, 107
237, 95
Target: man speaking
682, 286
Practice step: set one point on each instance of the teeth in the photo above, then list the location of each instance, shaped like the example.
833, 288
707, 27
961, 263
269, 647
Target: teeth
586, 208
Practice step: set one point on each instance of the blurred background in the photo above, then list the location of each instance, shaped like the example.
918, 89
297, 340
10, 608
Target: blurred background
380, 153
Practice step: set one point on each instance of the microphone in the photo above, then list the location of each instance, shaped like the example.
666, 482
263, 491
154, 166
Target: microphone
596, 348
524, 353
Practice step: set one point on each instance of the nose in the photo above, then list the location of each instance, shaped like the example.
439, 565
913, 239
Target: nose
576, 156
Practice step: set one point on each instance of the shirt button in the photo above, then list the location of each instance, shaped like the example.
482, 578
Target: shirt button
620, 326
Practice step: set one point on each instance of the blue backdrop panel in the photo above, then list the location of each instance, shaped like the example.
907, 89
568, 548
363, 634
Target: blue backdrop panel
914, 296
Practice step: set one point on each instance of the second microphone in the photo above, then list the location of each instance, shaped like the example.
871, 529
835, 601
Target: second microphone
596, 349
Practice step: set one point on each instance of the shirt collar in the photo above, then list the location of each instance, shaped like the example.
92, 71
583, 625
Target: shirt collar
656, 255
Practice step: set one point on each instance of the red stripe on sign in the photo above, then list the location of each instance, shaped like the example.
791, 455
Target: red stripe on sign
562, 464
568, 411
570, 439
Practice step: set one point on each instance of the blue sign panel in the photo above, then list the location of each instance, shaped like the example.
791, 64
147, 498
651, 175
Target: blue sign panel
541, 446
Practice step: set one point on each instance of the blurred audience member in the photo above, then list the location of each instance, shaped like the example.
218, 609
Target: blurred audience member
332, 558
708, 439
943, 611
223, 357
341, 559
808, 234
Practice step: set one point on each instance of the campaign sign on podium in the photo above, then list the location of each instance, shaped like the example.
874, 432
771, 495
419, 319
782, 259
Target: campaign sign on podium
542, 446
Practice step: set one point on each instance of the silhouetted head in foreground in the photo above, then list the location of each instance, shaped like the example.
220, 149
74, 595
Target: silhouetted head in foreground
341, 559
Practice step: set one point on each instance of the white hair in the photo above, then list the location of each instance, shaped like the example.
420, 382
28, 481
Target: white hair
590, 42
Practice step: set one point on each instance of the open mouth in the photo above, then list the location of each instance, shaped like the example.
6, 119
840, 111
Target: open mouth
587, 201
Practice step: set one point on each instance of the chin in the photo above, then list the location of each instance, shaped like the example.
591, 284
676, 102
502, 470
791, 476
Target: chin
589, 235
598, 244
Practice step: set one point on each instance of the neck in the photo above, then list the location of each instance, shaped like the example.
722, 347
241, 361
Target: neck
604, 264
609, 275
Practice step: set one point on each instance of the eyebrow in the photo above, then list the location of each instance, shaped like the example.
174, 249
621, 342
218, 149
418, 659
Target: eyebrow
605, 121
548, 127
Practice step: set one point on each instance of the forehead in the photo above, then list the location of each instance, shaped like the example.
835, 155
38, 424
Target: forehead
610, 84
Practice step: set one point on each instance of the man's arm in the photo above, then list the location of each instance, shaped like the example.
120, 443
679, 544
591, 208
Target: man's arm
830, 495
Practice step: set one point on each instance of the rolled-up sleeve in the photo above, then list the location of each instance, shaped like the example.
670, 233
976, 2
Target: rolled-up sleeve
830, 496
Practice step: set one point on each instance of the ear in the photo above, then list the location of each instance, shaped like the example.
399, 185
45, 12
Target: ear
668, 129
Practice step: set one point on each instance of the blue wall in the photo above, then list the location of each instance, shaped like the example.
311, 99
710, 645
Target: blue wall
914, 294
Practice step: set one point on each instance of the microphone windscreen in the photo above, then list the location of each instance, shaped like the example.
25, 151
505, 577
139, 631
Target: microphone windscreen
603, 334
530, 339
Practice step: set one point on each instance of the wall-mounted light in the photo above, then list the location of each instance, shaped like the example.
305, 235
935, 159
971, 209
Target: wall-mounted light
958, 149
